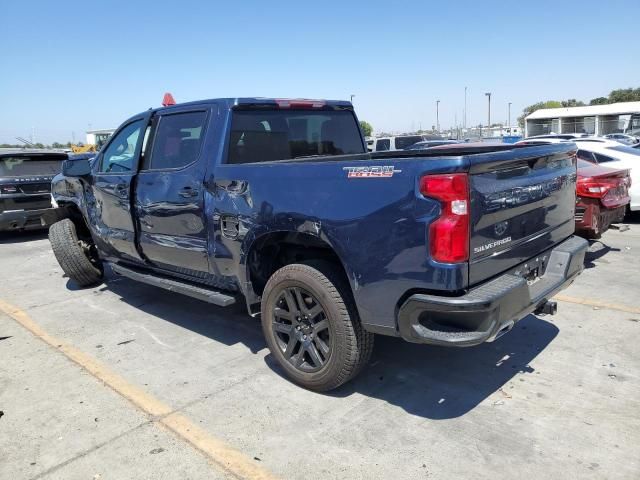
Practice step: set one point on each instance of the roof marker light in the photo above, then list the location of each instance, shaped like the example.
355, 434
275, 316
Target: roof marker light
168, 100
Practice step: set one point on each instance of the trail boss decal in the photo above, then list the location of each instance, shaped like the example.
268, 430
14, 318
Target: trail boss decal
385, 171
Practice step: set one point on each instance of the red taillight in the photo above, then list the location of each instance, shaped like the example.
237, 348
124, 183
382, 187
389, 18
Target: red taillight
594, 188
283, 103
8, 189
449, 234
610, 191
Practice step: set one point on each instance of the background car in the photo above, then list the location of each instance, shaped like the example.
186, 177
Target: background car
615, 155
623, 138
539, 141
558, 136
25, 186
602, 192
602, 196
400, 142
430, 143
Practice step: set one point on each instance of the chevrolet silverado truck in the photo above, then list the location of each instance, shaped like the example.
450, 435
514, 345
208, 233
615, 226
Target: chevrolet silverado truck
277, 204
25, 186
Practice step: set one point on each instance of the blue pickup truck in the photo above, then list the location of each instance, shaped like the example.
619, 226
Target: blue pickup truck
278, 204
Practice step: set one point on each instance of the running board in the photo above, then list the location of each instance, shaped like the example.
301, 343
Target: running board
211, 296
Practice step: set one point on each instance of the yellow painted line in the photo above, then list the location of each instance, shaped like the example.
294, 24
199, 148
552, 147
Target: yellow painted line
217, 451
596, 303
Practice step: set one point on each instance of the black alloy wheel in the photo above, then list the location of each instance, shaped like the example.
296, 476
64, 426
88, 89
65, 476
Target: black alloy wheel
301, 329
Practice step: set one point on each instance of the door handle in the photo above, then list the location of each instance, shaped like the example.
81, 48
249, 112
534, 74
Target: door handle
188, 192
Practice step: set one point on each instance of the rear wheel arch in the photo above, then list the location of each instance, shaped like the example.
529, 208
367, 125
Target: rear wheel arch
273, 250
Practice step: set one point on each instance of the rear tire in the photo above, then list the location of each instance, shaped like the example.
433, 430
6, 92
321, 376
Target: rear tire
312, 327
74, 255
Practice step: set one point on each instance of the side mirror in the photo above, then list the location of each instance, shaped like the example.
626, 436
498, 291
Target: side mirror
80, 167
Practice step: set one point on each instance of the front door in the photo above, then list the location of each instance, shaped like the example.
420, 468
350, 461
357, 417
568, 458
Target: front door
110, 208
170, 194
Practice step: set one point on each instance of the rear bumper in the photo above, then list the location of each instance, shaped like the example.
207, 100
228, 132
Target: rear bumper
22, 219
594, 218
489, 310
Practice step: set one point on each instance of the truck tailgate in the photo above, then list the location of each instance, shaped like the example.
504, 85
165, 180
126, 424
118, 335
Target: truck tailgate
522, 204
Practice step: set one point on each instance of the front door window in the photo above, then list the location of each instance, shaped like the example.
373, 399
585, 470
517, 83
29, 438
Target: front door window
118, 156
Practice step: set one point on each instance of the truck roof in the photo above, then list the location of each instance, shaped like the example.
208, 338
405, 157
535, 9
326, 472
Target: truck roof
266, 102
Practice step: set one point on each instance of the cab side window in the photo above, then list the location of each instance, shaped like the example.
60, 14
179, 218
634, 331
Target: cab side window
118, 156
603, 158
177, 140
587, 156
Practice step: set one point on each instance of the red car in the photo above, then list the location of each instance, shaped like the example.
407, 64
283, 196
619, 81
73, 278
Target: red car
602, 196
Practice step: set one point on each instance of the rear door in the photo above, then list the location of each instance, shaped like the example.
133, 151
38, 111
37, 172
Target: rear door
522, 203
110, 209
169, 198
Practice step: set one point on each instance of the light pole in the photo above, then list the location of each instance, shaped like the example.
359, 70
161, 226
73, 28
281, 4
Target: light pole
438, 116
488, 94
509, 118
352, 95
464, 123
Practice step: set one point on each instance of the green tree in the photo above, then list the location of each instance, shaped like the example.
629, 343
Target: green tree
599, 101
572, 102
537, 106
625, 95
620, 95
366, 127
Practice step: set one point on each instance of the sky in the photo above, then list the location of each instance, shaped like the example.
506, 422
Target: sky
69, 66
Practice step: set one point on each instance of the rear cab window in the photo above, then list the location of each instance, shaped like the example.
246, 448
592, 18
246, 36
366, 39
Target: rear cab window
271, 135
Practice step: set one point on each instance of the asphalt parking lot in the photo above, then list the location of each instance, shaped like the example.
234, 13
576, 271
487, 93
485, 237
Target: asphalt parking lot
128, 381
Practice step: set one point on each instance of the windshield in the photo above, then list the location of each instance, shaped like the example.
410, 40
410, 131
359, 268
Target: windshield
625, 149
25, 165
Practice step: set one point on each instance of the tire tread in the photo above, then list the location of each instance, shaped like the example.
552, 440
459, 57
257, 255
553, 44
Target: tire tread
70, 256
358, 343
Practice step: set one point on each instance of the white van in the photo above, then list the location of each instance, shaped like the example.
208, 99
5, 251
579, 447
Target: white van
399, 142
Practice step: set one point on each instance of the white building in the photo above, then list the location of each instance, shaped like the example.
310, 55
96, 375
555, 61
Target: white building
593, 119
496, 132
99, 137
